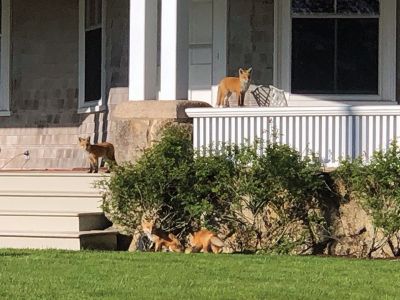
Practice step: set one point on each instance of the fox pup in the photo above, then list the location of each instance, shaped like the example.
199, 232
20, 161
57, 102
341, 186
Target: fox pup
160, 238
238, 85
105, 150
205, 240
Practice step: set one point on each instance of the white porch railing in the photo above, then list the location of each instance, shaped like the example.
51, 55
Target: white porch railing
333, 133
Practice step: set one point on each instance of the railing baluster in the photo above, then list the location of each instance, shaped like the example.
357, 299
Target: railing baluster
333, 133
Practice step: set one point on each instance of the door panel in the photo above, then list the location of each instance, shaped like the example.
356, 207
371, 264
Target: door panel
200, 49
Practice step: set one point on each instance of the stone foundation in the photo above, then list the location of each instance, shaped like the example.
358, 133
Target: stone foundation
135, 125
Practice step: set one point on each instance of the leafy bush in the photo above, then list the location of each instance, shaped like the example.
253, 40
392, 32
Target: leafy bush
280, 192
160, 182
377, 187
257, 199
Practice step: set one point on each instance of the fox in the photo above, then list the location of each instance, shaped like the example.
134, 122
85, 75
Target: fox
206, 241
160, 238
105, 150
238, 85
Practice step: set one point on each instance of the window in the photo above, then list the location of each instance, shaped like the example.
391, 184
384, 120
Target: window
337, 49
91, 56
5, 58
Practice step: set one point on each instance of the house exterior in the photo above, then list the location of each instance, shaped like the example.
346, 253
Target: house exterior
66, 64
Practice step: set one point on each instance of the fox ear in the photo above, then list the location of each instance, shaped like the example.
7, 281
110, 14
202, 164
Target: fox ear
80, 139
240, 71
88, 139
249, 70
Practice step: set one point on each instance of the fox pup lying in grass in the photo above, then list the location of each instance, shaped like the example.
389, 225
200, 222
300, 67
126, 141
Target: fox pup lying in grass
105, 150
238, 85
161, 239
206, 241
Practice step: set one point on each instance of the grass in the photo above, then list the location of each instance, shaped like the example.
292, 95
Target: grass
121, 275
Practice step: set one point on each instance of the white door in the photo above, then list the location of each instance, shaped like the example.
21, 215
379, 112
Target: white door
207, 48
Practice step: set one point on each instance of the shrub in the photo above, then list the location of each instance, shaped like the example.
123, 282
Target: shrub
377, 187
280, 204
259, 200
160, 182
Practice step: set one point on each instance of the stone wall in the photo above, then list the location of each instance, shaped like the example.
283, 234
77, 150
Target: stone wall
44, 84
251, 38
136, 125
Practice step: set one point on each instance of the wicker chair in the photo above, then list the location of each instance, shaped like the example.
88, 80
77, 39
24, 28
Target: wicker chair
269, 96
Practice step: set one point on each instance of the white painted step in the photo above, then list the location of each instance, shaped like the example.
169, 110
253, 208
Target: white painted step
51, 202
96, 239
50, 221
48, 182
50, 191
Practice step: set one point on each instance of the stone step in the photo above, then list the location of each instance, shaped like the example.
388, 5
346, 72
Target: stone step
68, 183
95, 239
51, 221
49, 202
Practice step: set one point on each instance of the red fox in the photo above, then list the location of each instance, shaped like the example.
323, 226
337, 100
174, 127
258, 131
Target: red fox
238, 85
160, 238
205, 240
105, 150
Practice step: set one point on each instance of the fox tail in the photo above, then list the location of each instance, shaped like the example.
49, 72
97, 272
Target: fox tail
219, 97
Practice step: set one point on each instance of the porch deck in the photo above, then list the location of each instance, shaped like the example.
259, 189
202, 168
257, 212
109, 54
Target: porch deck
331, 132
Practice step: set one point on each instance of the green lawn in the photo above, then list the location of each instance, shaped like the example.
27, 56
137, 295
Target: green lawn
122, 275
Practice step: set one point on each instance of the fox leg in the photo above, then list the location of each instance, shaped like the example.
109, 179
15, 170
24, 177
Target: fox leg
242, 96
157, 246
220, 98
226, 99
90, 168
240, 99
93, 164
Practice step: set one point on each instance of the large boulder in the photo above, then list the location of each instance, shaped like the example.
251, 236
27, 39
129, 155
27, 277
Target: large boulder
135, 125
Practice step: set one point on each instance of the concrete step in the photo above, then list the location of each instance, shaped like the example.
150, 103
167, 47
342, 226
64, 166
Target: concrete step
68, 183
50, 191
50, 202
59, 210
50, 221
96, 240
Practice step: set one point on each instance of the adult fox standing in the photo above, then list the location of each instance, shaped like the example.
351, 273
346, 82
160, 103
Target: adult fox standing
238, 85
205, 240
105, 150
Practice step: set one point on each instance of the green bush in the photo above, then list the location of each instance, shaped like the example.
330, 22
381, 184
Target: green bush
280, 191
257, 199
377, 187
160, 182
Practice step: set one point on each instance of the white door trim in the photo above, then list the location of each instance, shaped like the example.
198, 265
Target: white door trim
5, 58
220, 41
100, 104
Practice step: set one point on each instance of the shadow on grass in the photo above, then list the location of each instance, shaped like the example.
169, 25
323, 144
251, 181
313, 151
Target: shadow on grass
14, 254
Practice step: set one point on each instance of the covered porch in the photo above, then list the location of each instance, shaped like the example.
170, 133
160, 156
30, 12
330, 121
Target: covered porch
339, 51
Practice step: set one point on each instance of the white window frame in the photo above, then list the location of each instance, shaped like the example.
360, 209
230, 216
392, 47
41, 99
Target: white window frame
5, 58
100, 104
387, 55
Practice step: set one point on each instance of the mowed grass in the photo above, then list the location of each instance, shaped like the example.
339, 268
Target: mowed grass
120, 275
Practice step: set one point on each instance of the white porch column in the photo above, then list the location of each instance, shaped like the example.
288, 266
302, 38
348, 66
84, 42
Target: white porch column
143, 50
174, 77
